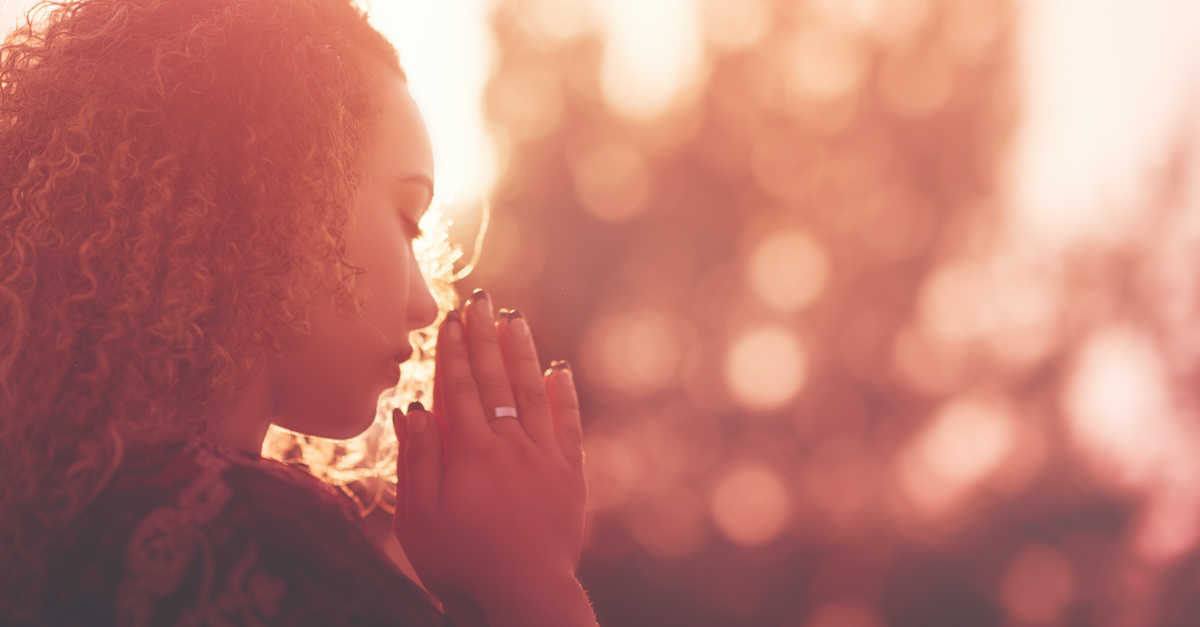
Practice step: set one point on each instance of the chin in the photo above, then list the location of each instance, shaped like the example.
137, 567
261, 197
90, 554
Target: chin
351, 427
334, 425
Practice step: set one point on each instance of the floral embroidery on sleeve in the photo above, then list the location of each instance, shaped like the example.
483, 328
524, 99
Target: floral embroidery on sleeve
193, 534
165, 542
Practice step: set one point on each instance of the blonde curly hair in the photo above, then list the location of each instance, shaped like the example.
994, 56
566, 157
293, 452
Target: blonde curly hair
176, 175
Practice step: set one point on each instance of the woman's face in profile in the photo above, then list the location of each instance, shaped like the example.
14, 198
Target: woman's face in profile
329, 385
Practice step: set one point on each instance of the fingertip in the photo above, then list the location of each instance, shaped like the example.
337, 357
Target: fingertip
417, 420
398, 420
454, 325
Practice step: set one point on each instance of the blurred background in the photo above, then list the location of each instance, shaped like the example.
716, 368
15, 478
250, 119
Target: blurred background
884, 313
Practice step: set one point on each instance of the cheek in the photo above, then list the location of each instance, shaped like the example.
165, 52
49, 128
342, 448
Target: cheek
384, 284
330, 386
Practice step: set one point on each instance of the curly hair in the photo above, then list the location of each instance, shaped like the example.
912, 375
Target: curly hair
176, 176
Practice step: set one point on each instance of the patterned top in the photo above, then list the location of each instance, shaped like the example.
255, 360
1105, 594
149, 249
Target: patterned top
202, 534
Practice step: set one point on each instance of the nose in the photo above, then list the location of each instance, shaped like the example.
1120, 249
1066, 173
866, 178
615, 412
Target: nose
422, 308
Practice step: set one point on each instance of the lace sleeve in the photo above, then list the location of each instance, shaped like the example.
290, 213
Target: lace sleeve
215, 537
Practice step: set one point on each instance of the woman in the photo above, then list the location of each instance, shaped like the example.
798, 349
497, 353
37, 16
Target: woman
206, 229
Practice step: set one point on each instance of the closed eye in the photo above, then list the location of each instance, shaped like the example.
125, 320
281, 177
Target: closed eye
412, 228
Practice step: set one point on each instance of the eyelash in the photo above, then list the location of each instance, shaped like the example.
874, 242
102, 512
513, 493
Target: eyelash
412, 228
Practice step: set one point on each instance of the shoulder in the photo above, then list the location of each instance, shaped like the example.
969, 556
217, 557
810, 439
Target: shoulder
205, 534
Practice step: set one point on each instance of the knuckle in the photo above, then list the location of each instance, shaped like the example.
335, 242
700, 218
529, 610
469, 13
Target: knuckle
462, 387
573, 437
525, 356
568, 402
493, 382
483, 333
417, 453
535, 397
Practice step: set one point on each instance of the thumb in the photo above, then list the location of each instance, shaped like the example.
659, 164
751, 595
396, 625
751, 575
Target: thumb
423, 462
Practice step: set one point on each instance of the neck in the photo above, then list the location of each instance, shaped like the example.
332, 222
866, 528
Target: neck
246, 425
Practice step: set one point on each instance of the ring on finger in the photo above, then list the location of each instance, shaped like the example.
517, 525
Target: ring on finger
503, 412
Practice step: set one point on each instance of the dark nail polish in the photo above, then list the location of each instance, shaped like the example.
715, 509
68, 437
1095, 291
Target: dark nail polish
479, 295
561, 364
514, 314
415, 406
453, 315
504, 311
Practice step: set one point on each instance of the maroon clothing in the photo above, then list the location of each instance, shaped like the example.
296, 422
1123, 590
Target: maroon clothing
201, 534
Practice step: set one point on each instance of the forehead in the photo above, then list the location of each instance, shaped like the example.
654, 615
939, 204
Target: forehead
400, 147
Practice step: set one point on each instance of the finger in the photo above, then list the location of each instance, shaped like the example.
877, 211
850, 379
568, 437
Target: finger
458, 395
564, 406
525, 373
422, 464
401, 525
487, 364
400, 516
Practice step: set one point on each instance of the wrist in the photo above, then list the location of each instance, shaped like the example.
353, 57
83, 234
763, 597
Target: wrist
552, 601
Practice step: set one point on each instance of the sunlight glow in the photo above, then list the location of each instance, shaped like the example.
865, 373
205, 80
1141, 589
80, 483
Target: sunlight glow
445, 48
652, 54
1119, 406
1108, 87
1123, 417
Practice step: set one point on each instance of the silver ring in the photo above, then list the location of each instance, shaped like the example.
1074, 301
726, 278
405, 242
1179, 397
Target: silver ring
504, 412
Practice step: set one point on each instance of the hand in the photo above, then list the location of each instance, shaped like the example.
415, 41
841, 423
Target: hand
493, 508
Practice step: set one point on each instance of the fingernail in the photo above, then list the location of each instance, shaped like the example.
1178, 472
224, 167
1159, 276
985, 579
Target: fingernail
482, 295
417, 420
517, 323
563, 366
454, 326
415, 406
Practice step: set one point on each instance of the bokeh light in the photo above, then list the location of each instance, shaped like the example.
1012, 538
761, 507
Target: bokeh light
1038, 585
788, 270
735, 24
766, 367
613, 181
882, 312
750, 505
844, 614
613, 469
638, 351
827, 63
967, 441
